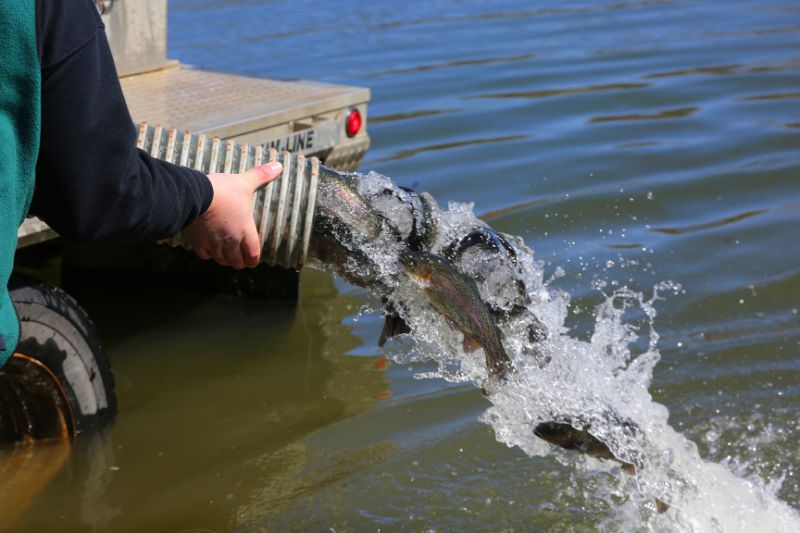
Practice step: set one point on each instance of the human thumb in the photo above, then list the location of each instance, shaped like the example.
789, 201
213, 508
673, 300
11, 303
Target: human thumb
261, 175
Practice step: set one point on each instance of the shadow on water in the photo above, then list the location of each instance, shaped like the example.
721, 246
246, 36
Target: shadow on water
215, 398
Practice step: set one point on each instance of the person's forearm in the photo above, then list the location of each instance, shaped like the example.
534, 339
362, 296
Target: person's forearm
93, 185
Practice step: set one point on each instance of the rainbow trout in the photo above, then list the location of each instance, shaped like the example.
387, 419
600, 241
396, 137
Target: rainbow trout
456, 298
564, 435
569, 438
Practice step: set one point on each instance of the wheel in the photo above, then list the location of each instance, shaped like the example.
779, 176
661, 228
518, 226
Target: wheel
60, 376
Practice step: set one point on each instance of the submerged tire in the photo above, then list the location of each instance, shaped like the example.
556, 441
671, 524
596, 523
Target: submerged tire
58, 334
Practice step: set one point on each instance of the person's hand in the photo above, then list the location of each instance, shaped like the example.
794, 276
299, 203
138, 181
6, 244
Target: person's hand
226, 232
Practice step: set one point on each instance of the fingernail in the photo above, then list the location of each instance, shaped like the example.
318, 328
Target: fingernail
268, 170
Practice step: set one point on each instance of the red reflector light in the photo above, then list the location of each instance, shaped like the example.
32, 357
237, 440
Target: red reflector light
353, 124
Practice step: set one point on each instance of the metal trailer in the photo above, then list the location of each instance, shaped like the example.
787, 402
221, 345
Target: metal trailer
305, 117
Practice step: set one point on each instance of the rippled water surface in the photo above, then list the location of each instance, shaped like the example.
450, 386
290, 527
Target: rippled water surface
627, 142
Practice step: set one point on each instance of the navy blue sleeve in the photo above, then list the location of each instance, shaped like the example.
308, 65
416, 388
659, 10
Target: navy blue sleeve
92, 183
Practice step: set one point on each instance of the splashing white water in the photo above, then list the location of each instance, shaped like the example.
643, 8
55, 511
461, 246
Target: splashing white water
600, 384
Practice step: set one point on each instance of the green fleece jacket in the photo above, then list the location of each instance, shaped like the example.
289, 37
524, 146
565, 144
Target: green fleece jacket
20, 103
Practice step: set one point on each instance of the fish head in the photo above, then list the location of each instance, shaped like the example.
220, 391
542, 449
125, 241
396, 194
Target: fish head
420, 266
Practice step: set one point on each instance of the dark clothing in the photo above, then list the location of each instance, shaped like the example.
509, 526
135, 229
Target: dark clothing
92, 183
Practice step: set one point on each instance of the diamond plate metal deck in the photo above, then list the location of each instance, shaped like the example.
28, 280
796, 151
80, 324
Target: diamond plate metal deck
228, 105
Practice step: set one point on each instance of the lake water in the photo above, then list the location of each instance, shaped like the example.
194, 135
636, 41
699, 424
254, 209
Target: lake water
628, 143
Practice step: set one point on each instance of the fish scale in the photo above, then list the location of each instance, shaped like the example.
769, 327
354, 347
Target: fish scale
456, 297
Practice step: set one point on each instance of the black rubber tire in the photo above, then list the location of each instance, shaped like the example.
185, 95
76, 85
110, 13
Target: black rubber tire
56, 331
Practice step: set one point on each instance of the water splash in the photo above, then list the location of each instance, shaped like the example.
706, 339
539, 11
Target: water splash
600, 384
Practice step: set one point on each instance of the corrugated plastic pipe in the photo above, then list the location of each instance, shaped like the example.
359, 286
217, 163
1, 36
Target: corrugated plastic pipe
283, 210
